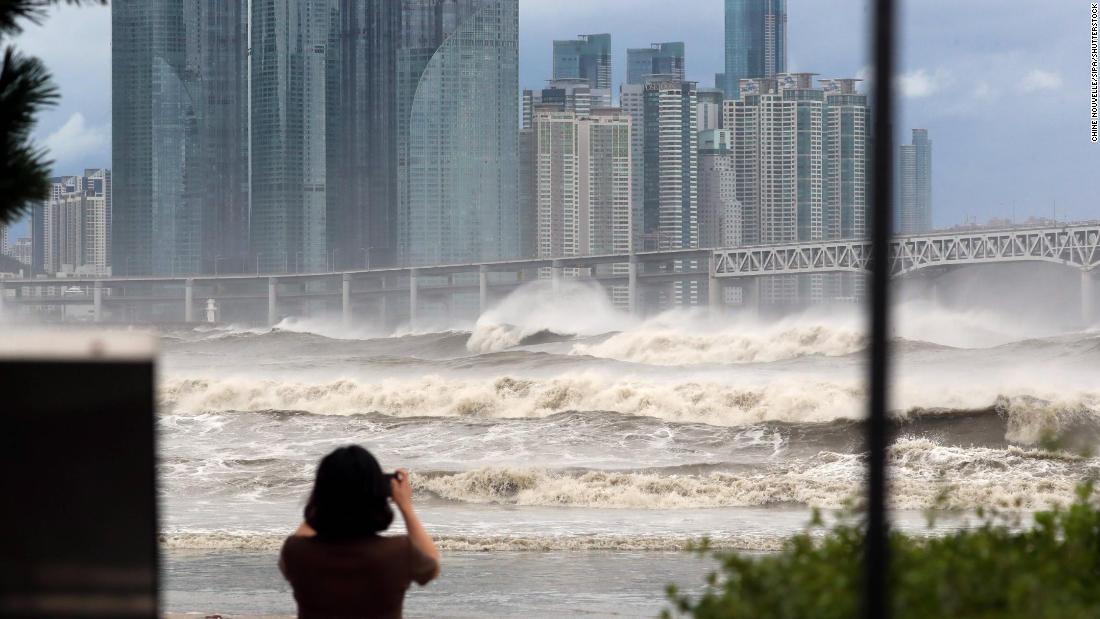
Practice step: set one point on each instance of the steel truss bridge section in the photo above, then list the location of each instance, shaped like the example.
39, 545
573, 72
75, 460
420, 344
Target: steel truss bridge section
1076, 246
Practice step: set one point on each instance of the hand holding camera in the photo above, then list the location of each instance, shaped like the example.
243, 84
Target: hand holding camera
400, 489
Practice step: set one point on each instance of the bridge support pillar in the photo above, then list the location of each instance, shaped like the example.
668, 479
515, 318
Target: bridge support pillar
714, 288
189, 301
97, 301
632, 286
272, 301
1088, 297
555, 276
345, 298
414, 293
483, 288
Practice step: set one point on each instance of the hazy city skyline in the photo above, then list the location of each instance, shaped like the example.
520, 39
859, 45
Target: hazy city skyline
963, 84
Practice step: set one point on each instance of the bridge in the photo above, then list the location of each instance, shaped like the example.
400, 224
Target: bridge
1075, 246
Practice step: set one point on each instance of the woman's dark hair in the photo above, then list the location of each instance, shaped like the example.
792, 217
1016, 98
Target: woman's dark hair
349, 498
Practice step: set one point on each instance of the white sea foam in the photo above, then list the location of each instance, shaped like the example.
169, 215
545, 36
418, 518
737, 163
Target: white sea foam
506, 397
923, 474
205, 540
576, 308
684, 337
1031, 412
688, 337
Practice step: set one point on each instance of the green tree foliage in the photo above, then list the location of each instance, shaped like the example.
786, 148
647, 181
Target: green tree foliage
25, 89
995, 571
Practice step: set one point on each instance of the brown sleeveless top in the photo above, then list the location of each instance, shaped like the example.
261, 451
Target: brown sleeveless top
358, 579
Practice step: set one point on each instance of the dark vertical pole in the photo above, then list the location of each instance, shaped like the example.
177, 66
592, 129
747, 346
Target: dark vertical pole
876, 603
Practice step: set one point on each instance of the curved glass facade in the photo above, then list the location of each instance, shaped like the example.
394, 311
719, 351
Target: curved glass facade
460, 165
179, 121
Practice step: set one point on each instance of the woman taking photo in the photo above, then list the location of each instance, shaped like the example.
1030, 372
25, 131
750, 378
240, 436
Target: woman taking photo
336, 562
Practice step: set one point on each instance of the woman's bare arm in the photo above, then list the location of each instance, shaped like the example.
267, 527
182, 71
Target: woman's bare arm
401, 491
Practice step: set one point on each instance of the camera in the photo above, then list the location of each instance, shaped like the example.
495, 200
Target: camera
389, 477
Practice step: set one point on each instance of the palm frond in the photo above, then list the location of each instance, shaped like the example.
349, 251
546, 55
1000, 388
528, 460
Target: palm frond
25, 88
14, 13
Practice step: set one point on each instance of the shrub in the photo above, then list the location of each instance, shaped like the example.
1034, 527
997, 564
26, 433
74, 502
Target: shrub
1048, 571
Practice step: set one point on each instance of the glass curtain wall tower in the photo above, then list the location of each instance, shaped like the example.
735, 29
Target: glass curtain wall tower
290, 95
362, 134
665, 59
756, 41
459, 82
915, 162
588, 57
179, 131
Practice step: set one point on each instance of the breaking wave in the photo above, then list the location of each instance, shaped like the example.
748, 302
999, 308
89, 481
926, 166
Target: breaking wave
687, 338
1030, 415
507, 397
924, 474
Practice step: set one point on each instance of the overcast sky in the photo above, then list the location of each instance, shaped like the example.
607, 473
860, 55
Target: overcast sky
1001, 85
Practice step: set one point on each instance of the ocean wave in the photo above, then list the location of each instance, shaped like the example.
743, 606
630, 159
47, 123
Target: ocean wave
1031, 415
924, 474
207, 540
508, 397
678, 339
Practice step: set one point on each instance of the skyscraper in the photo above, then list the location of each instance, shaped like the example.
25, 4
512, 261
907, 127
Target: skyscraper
670, 203
710, 109
582, 178
587, 57
458, 155
73, 226
916, 184
632, 102
720, 222
847, 131
756, 41
801, 170
572, 95
290, 92
664, 59
361, 135
179, 125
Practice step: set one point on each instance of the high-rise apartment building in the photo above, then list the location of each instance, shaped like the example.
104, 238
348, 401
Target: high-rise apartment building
565, 95
5, 243
664, 59
670, 202
459, 149
800, 155
587, 57
756, 41
632, 102
846, 144
73, 226
583, 180
179, 125
915, 162
582, 183
21, 250
720, 222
